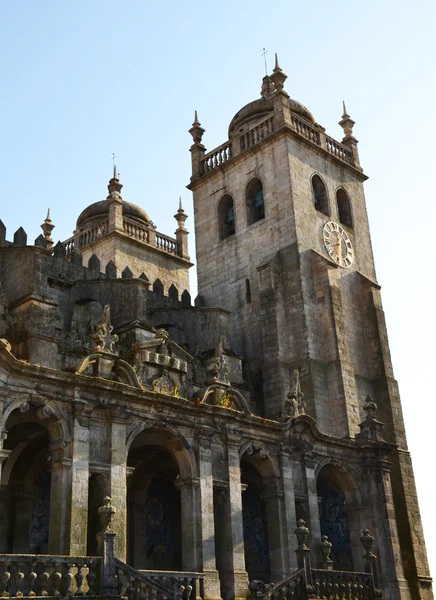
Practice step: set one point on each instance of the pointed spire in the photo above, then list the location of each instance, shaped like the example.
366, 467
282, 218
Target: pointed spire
278, 77
345, 114
114, 184
196, 130
180, 215
277, 66
346, 122
47, 227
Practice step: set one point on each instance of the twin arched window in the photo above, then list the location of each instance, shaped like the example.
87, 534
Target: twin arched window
255, 208
320, 201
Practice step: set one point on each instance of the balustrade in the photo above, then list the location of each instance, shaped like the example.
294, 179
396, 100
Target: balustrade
167, 244
258, 133
158, 585
338, 150
306, 130
132, 229
342, 585
93, 234
29, 575
217, 157
69, 246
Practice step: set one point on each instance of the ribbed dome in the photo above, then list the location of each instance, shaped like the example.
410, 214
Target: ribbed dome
100, 210
258, 109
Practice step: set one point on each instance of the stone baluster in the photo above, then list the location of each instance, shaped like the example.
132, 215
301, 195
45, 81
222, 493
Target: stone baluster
92, 576
31, 578
44, 576
5, 576
70, 580
19, 580
56, 579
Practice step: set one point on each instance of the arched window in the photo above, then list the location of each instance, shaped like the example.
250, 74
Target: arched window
344, 208
319, 194
226, 217
254, 201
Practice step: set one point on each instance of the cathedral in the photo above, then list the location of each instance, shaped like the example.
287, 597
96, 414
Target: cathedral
245, 443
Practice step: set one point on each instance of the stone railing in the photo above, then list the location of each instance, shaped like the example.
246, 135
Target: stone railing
338, 150
167, 244
216, 158
93, 234
134, 230
325, 584
29, 575
291, 588
306, 130
258, 133
69, 246
349, 585
173, 585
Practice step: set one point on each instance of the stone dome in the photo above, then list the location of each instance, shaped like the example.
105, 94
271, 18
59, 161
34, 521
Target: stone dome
258, 109
99, 211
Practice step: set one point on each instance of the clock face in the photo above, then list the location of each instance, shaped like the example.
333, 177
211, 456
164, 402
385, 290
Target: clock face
338, 244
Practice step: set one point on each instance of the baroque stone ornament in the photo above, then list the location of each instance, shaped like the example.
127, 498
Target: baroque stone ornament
367, 542
296, 404
103, 338
164, 384
326, 548
106, 512
302, 533
338, 244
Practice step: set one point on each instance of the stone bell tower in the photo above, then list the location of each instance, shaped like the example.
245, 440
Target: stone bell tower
283, 242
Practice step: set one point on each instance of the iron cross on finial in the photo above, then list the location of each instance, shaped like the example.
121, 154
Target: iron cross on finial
113, 159
264, 53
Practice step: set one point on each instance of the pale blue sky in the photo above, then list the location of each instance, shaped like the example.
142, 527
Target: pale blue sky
84, 79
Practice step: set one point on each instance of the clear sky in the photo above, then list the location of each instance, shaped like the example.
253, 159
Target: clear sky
82, 80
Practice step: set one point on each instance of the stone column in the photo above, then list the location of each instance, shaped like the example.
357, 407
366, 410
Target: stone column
79, 488
290, 517
118, 482
60, 499
312, 501
190, 505
240, 581
212, 582
273, 497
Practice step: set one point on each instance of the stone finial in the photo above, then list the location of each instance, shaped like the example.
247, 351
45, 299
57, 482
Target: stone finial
196, 130
114, 185
371, 429
346, 122
47, 227
370, 407
367, 542
181, 216
278, 77
106, 512
103, 338
302, 533
326, 548
295, 404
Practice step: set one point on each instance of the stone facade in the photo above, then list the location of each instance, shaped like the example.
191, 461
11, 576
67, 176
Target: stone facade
217, 430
